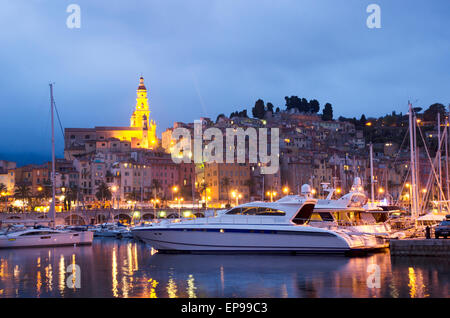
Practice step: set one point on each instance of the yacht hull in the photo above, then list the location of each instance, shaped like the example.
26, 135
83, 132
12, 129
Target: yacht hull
52, 239
241, 240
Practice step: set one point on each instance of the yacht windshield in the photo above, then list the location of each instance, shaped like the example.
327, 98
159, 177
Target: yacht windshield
36, 233
260, 211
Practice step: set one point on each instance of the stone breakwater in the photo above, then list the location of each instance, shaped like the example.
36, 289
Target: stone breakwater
420, 247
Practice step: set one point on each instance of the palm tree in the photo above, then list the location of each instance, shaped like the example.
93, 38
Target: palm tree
103, 193
71, 195
133, 195
250, 183
156, 187
3, 193
23, 192
225, 182
203, 187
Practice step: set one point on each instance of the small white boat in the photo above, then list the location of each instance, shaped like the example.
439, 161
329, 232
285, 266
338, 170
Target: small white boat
42, 237
112, 230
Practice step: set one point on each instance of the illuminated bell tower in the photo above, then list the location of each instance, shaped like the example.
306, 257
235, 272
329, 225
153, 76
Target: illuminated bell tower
142, 109
141, 118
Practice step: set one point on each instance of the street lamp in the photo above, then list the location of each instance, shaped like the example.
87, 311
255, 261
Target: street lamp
174, 190
271, 194
380, 192
179, 200
286, 190
235, 194
114, 189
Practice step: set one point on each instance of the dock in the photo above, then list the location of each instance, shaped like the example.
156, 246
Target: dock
420, 247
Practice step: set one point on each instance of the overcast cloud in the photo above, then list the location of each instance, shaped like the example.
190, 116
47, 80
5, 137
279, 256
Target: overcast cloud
206, 57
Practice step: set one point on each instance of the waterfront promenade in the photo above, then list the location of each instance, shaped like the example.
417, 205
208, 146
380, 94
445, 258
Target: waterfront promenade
85, 217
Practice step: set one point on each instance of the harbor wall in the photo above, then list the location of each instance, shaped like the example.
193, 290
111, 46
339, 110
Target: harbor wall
420, 247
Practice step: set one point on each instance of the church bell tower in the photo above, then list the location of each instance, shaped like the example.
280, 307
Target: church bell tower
141, 117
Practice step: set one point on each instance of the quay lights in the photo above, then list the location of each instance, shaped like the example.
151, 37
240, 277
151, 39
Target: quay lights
136, 214
114, 188
39, 189
271, 194
174, 190
286, 190
186, 214
235, 194
338, 190
313, 191
179, 200
380, 190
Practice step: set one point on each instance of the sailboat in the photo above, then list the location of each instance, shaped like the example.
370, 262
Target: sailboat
39, 236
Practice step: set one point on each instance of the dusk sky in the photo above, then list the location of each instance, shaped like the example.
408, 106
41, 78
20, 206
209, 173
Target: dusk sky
201, 58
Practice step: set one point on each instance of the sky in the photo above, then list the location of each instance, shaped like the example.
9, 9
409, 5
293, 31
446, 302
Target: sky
201, 58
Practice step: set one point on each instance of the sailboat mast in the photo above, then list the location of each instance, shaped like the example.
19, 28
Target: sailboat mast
53, 205
439, 159
413, 163
447, 129
372, 186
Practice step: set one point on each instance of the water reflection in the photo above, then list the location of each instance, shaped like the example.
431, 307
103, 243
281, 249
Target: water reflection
111, 268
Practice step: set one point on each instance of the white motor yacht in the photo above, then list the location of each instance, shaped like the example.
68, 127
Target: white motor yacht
42, 236
262, 227
348, 212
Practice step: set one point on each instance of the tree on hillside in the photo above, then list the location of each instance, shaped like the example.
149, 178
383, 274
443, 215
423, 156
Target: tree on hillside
259, 110
220, 116
431, 113
270, 107
363, 120
293, 102
327, 113
314, 106
304, 106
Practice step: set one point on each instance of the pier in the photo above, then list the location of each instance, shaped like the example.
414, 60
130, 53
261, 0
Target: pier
86, 217
420, 247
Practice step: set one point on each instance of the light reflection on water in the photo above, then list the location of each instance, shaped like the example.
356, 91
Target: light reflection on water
112, 268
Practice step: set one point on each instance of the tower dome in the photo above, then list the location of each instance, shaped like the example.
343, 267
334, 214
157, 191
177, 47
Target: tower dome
141, 84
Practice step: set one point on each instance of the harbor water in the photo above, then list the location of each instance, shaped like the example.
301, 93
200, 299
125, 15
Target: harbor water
126, 268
